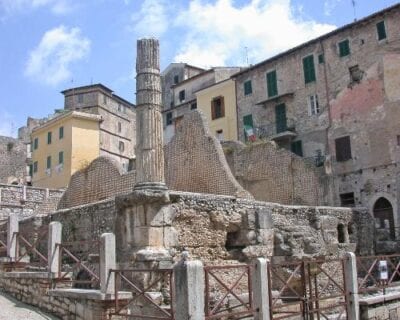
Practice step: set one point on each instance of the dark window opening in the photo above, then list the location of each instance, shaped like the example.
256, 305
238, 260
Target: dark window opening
233, 246
381, 30
176, 79
61, 157
35, 167
193, 106
398, 140
343, 149
297, 148
61, 133
168, 118
248, 88
347, 199
48, 137
321, 58
356, 74
272, 85
131, 165
344, 48
10, 146
217, 108
48, 165
341, 233
181, 95
121, 146
384, 220
35, 143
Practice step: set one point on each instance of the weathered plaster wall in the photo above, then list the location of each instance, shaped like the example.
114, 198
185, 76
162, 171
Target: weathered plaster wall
274, 174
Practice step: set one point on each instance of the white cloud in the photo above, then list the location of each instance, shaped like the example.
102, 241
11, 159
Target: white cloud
217, 33
152, 19
9, 7
50, 61
330, 5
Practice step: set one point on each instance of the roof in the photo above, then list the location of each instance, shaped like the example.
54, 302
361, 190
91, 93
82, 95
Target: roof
65, 115
97, 86
184, 65
323, 37
213, 85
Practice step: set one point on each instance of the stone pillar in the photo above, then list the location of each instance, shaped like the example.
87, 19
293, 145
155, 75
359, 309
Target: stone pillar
107, 262
189, 290
53, 253
261, 290
350, 272
12, 229
149, 131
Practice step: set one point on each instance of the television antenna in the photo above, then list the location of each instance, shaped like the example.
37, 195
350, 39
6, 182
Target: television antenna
353, 2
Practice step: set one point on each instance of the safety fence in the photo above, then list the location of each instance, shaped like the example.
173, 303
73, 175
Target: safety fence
308, 289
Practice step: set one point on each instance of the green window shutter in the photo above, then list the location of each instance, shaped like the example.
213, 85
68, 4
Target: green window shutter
297, 148
344, 48
30, 170
309, 69
272, 84
61, 133
248, 88
380, 28
248, 127
248, 120
280, 118
321, 58
48, 162
61, 157
36, 143
48, 137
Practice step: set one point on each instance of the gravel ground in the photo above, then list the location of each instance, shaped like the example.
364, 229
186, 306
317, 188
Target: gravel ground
11, 309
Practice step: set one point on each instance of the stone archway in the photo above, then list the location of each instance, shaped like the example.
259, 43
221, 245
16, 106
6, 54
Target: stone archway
384, 219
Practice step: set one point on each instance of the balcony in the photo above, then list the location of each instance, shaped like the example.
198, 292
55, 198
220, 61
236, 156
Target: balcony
286, 130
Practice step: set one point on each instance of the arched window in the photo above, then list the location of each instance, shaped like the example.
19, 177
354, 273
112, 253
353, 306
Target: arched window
383, 214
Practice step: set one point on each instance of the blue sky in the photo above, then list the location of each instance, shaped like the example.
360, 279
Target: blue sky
51, 45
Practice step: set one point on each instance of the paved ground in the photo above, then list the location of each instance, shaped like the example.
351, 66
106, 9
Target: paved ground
11, 309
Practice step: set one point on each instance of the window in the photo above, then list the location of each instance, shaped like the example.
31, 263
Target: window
247, 88
80, 98
313, 105
193, 106
309, 69
347, 199
49, 137
248, 128
131, 164
280, 118
119, 127
30, 170
321, 58
61, 132
398, 140
220, 135
176, 79
35, 143
272, 85
121, 146
344, 48
355, 74
61, 157
343, 149
168, 118
48, 162
381, 30
217, 108
104, 99
35, 167
182, 95
119, 107
297, 148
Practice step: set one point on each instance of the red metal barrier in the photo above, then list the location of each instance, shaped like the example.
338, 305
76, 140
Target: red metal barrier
228, 292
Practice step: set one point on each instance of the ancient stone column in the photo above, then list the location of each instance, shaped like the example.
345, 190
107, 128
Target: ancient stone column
149, 132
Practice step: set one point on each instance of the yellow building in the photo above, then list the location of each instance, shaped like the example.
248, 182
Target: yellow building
218, 103
63, 145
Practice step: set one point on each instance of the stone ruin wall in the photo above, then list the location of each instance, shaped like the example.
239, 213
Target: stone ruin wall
280, 177
27, 201
12, 160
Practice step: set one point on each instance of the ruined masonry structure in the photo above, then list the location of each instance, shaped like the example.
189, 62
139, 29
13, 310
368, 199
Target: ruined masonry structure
149, 133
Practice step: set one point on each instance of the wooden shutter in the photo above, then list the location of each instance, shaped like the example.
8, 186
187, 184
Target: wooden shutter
343, 149
280, 117
309, 69
271, 84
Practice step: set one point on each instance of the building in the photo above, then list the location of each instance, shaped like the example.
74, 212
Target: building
218, 104
117, 128
63, 145
337, 98
13, 153
183, 94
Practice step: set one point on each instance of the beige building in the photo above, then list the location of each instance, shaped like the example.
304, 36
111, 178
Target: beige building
218, 104
63, 145
117, 128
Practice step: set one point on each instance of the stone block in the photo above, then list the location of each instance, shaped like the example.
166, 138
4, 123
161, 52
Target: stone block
264, 219
148, 236
162, 217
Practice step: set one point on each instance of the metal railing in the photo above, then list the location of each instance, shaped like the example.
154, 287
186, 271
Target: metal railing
228, 292
151, 294
32, 251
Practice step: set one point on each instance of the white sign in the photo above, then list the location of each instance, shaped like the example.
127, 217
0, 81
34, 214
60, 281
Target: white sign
383, 270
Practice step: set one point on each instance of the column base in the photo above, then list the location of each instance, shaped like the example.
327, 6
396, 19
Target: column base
156, 186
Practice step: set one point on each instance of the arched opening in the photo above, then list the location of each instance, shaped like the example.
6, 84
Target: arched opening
384, 221
341, 233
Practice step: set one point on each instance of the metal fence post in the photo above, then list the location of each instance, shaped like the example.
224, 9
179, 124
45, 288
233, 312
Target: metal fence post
53, 249
107, 262
261, 290
189, 290
351, 285
12, 230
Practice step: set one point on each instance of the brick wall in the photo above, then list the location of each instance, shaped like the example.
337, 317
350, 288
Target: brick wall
274, 174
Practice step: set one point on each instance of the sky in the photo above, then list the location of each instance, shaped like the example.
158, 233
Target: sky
48, 46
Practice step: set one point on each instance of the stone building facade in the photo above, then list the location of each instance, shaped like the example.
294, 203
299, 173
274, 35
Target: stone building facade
117, 129
336, 98
13, 154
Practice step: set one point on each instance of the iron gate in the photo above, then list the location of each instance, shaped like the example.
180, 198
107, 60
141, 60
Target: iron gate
313, 289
